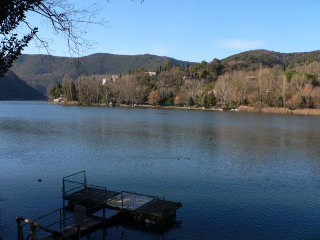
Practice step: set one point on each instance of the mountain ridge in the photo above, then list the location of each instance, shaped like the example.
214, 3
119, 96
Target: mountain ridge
43, 71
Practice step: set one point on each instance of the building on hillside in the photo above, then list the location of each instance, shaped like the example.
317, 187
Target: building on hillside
112, 79
191, 76
151, 74
115, 77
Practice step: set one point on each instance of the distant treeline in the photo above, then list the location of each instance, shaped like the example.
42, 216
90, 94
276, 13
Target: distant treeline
205, 84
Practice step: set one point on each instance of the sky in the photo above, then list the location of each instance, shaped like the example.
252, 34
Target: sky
194, 30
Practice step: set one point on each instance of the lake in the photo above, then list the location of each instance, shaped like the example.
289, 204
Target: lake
238, 175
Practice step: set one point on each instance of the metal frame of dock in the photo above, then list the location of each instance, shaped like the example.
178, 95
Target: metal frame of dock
78, 194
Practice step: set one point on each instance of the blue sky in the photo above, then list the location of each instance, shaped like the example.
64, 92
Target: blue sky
196, 30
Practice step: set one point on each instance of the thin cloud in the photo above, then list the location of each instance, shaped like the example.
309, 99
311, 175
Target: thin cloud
240, 44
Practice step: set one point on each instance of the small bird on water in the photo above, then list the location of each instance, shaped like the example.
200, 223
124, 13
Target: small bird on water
39, 180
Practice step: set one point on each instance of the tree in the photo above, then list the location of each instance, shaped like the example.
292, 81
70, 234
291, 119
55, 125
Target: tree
168, 65
178, 99
166, 83
204, 100
69, 89
204, 73
223, 89
11, 14
154, 97
190, 102
212, 101
216, 68
193, 88
56, 91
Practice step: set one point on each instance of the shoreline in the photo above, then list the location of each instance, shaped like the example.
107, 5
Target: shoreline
244, 109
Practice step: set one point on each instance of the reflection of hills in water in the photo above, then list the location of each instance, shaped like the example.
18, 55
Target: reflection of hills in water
158, 229
130, 229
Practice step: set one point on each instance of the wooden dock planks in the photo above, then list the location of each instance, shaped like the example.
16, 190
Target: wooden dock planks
137, 204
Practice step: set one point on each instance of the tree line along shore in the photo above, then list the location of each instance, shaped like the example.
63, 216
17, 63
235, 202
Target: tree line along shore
288, 88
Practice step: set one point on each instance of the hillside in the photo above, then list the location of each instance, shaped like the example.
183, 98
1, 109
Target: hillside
252, 59
43, 72
13, 88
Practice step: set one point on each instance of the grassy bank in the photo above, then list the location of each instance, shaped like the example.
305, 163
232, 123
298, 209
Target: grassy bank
275, 110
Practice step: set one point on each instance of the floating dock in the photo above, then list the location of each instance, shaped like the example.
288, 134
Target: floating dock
84, 200
143, 207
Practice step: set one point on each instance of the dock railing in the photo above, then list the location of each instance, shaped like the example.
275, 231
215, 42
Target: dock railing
50, 223
35, 227
73, 183
53, 222
56, 221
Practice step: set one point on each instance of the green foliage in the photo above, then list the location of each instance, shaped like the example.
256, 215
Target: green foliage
289, 74
279, 102
169, 102
253, 59
168, 65
284, 67
56, 91
196, 68
216, 68
204, 73
190, 102
212, 101
313, 78
208, 87
204, 101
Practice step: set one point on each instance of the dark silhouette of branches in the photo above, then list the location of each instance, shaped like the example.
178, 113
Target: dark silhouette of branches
64, 18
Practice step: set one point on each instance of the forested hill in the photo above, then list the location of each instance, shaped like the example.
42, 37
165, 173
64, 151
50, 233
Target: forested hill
13, 88
42, 71
253, 59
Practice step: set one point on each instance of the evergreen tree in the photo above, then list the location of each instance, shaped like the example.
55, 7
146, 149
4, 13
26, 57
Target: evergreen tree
204, 100
212, 99
190, 102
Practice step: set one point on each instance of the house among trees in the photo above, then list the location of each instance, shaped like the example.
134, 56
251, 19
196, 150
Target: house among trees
191, 76
115, 77
60, 99
151, 74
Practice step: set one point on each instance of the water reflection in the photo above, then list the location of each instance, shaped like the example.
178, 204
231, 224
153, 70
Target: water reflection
238, 176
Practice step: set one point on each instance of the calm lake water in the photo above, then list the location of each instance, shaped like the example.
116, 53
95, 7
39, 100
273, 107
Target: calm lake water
238, 176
